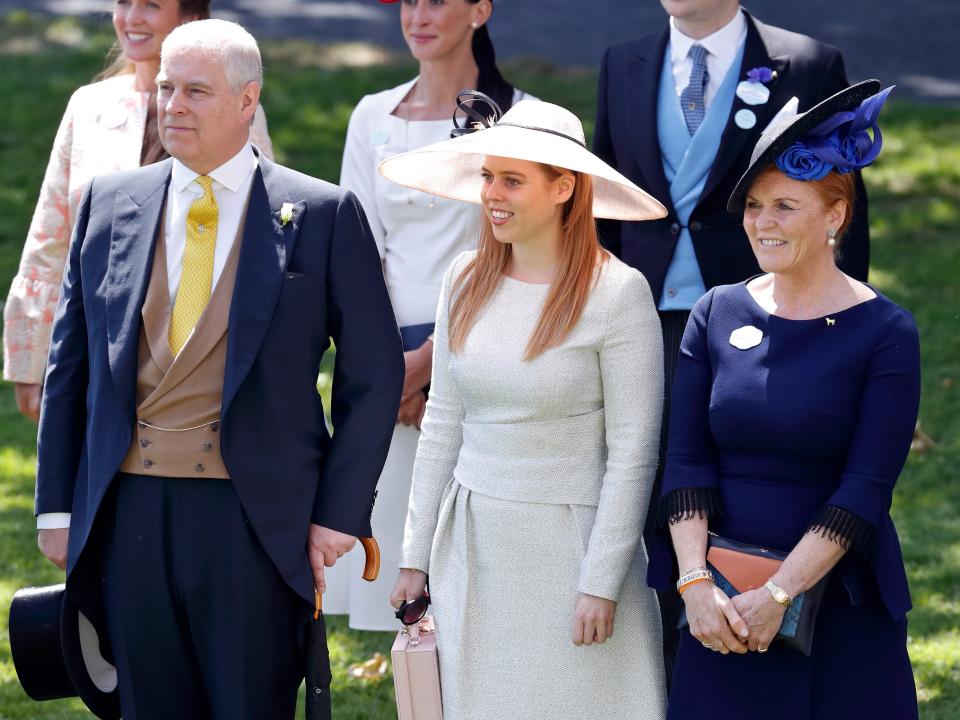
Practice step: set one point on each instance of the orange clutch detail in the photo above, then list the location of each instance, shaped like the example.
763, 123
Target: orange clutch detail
745, 572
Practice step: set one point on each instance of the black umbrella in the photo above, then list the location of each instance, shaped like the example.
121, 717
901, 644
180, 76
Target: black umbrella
317, 672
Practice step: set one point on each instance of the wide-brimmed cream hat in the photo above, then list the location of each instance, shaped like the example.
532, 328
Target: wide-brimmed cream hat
531, 130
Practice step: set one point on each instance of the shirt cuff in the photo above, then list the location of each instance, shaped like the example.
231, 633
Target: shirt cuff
53, 521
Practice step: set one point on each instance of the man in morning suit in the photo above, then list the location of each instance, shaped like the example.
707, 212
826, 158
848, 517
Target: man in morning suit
679, 112
186, 479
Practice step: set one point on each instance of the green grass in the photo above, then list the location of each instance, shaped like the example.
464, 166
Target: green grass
915, 218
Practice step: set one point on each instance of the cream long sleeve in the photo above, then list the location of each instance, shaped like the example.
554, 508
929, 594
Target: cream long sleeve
631, 369
578, 425
440, 439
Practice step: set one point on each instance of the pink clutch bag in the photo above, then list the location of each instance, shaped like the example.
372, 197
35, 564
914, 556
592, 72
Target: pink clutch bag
416, 672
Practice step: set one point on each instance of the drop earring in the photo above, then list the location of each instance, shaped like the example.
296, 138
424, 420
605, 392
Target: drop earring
831, 237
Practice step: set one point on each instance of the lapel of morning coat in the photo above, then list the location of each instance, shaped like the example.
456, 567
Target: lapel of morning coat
264, 255
133, 236
733, 142
642, 86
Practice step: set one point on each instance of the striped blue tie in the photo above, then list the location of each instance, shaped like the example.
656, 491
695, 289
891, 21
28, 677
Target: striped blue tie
691, 99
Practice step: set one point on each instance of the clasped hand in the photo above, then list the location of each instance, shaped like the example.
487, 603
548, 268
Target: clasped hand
748, 621
762, 614
411, 585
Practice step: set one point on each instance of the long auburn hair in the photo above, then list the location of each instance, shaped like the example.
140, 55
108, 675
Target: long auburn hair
580, 255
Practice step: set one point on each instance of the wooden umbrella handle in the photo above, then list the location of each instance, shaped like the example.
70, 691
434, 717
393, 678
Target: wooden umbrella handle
371, 549
371, 569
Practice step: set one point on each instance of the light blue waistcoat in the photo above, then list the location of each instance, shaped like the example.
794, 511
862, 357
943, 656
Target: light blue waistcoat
686, 164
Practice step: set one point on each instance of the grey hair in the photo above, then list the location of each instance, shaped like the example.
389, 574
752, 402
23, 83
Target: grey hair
236, 48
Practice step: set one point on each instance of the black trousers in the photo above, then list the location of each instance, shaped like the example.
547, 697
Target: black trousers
672, 323
201, 624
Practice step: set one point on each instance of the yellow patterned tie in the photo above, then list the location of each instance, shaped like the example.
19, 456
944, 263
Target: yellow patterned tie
196, 279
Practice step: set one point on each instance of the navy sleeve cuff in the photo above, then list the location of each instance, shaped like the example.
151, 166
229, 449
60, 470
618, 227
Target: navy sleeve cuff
850, 531
687, 503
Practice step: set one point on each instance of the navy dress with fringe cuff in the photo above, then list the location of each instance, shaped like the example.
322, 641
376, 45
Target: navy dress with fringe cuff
779, 428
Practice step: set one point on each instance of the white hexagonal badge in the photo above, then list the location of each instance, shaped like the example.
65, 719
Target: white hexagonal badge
746, 337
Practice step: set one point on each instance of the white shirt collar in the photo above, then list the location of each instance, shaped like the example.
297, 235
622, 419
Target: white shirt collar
231, 175
723, 44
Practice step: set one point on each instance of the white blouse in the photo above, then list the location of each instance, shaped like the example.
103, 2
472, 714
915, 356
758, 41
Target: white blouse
418, 234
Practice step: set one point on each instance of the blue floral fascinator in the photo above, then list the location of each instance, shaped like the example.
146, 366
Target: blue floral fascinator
832, 135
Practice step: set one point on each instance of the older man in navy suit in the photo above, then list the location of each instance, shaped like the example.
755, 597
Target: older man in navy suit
678, 112
186, 478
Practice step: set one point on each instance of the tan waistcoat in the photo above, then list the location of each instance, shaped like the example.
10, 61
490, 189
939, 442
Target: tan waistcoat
181, 395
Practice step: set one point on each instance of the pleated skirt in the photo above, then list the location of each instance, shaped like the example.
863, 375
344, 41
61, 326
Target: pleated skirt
503, 578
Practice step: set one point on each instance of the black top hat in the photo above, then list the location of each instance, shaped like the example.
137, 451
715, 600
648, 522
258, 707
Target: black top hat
56, 651
784, 132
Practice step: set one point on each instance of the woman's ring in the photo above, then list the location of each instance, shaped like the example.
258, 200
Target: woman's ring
762, 650
708, 646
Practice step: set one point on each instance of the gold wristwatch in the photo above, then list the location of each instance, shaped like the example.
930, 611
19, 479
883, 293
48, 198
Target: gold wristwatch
779, 594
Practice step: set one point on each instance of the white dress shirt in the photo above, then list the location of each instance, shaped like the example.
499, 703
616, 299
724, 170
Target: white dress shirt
231, 188
722, 48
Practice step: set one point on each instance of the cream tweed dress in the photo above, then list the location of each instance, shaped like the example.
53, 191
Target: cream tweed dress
530, 485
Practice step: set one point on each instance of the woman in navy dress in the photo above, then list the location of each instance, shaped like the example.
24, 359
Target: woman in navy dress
793, 408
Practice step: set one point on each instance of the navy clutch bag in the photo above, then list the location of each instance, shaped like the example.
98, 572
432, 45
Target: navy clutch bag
738, 567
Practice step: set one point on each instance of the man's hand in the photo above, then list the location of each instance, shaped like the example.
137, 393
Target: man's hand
325, 547
28, 399
53, 545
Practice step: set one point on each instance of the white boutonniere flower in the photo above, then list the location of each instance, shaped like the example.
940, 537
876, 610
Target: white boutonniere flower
286, 213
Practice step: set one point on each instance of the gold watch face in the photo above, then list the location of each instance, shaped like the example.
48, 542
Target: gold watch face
779, 594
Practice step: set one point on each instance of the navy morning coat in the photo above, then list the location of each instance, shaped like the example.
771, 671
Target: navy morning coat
299, 284
626, 138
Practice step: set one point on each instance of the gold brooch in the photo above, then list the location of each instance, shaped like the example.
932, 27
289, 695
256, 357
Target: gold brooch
831, 322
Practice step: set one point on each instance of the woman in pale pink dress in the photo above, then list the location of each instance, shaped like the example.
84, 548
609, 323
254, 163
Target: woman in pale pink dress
109, 125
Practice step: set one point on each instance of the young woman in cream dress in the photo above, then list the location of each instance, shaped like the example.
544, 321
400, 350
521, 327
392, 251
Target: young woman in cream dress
539, 442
